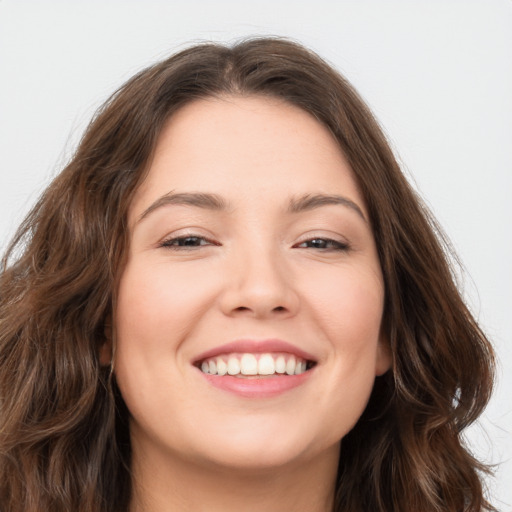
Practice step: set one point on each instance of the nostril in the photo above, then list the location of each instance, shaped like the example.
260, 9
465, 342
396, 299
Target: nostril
279, 308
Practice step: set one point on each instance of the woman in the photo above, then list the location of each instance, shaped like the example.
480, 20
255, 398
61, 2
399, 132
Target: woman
232, 299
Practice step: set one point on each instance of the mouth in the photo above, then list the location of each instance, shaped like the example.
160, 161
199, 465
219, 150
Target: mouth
255, 365
256, 369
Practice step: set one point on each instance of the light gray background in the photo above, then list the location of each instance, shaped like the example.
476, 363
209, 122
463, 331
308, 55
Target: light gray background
437, 73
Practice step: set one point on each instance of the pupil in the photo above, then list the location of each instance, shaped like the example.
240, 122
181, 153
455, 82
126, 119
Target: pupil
191, 240
319, 244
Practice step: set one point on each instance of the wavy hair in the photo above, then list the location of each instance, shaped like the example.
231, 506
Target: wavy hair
64, 440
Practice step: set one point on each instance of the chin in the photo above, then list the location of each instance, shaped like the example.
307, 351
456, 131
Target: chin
265, 446
251, 459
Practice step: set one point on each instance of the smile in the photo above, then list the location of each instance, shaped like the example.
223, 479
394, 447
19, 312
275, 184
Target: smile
256, 368
248, 364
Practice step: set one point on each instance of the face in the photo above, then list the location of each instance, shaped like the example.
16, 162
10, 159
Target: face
249, 312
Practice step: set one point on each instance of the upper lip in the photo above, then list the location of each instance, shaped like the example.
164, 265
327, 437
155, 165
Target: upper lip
255, 347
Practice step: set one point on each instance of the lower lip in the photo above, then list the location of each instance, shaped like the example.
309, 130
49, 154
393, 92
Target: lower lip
254, 387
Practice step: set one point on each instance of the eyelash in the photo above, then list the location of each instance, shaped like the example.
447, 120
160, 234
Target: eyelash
329, 244
180, 243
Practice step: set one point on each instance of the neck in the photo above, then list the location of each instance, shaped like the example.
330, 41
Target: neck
179, 485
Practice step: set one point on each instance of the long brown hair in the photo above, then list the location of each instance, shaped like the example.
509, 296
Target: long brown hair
64, 442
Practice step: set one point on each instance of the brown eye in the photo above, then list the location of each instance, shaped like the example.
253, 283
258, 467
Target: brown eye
325, 244
186, 242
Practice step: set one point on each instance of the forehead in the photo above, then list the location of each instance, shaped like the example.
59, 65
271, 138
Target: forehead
246, 149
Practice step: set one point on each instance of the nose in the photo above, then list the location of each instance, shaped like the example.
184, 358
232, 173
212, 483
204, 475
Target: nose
260, 285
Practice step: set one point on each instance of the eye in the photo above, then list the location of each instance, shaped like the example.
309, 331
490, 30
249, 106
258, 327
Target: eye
186, 242
323, 244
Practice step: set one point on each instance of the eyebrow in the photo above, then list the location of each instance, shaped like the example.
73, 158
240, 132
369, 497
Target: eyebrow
197, 199
215, 202
312, 201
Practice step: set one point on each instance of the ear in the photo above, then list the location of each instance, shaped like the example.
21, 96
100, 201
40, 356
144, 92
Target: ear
384, 357
105, 351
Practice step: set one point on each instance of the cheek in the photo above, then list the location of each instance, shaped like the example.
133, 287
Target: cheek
349, 307
158, 304
157, 309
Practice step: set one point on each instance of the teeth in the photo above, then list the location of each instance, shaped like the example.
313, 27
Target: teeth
290, 366
300, 367
248, 365
233, 366
266, 365
222, 367
280, 364
254, 364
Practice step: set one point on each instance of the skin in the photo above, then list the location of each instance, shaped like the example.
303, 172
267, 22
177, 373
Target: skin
252, 273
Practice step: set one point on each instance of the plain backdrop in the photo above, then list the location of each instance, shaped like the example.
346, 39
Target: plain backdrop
437, 73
